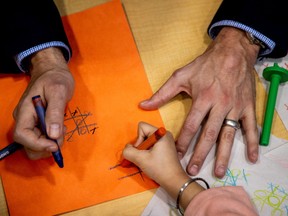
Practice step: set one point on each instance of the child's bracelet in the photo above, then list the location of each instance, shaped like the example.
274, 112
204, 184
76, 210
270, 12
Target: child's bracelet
184, 186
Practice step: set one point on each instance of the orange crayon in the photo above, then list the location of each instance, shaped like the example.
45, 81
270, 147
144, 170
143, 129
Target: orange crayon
146, 144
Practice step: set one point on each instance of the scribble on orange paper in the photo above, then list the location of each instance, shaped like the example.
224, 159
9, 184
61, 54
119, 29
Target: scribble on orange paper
78, 123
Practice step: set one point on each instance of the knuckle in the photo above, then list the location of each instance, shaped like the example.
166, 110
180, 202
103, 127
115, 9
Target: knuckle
17, 134
57, 113
229, 136
210, 135
177, 73
180, 80
190, 127
226, 101
160, 96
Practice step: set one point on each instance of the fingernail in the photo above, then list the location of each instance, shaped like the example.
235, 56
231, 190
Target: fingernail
52, 148
54, 130
220, 171
180, 155
254, 157
144, 102
194, 170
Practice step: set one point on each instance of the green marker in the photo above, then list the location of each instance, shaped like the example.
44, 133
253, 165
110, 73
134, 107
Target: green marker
275, 75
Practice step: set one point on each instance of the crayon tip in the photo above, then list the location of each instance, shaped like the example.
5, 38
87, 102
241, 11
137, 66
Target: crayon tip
60, 164
113, 167
58, 158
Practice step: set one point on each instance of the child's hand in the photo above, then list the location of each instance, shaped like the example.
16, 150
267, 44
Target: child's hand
160, 162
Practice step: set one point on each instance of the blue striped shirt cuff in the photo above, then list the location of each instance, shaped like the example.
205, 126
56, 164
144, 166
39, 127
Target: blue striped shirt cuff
21, 56
270, 44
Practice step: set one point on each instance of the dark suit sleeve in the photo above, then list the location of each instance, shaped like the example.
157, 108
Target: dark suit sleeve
267, 17
25, 24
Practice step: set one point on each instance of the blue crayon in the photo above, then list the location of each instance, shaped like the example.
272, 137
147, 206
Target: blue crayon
8, 150
40, 110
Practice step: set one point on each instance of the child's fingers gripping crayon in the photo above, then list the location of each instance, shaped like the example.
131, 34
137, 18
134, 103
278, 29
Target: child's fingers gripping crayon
146, 144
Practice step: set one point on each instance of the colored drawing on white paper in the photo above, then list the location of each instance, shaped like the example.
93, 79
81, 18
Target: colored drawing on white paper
269, 194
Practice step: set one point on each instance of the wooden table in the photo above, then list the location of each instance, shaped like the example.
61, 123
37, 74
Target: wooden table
168, 34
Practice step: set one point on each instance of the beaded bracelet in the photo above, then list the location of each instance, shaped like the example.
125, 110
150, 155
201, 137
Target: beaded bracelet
184, 186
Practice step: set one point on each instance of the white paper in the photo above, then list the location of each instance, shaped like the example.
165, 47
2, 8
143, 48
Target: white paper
266, 181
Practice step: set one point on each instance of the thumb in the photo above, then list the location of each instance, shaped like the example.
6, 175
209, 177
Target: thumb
162, 96
54, 118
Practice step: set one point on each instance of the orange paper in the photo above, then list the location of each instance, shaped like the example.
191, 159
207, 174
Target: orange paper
101, 119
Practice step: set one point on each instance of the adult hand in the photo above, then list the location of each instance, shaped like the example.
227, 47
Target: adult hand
52, 80
221, 85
